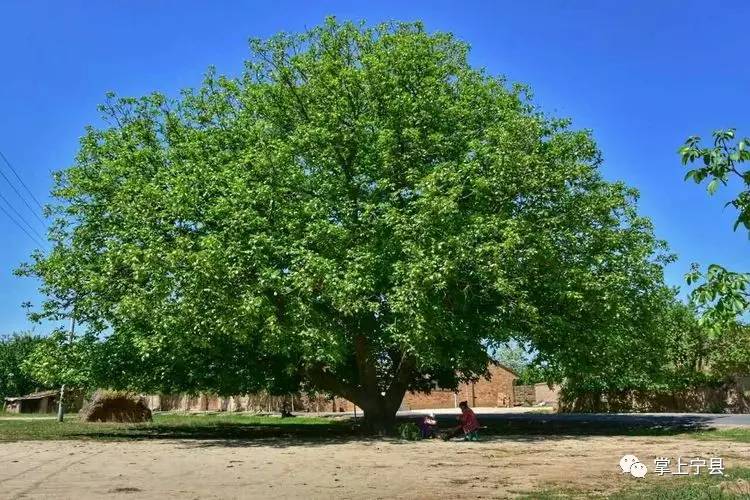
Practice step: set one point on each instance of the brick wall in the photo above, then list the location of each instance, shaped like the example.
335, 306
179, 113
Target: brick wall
728, 398
546, 394
259, 402
436, 399
525, 394
537, 393
495, 392
498, 391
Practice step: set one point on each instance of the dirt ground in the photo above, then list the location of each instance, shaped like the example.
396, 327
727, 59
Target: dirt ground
493, 468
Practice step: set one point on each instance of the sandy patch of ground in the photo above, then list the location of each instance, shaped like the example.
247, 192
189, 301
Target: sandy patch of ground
278, 468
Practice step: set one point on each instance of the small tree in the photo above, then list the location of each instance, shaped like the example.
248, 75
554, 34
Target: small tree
361, 212
522, 361
55, 360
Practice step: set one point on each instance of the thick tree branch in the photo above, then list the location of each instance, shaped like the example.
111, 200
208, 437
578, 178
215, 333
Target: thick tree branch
401, 378
323, 379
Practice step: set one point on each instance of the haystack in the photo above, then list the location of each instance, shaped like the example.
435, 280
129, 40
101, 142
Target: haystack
115, 406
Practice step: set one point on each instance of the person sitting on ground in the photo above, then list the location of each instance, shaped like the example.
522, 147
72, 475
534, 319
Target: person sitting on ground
468, 425
285, 413
428, 426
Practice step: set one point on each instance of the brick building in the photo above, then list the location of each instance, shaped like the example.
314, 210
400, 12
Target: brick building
43, 402
38, 402
495, 392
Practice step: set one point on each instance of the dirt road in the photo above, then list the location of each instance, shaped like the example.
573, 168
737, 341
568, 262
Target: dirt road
495, 468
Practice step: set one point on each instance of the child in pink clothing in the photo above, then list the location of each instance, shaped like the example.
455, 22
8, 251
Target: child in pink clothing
428, 426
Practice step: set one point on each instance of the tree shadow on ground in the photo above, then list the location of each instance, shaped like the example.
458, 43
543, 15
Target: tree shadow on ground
531, 426
230, 433
515, 427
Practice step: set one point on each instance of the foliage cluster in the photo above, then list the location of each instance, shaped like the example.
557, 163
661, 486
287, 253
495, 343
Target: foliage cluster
14, 379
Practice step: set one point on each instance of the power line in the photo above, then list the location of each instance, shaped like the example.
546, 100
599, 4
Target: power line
21, 227
38, 239
18, 214
21, 181
23, 198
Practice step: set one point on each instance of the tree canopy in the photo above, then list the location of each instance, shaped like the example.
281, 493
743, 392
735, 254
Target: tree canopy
360, 212
14, 379
722, 296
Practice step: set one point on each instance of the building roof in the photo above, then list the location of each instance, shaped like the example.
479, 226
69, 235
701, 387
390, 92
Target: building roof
505, 367
34, 395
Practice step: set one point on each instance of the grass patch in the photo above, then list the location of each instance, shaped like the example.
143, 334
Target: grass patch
738, 434
554, 494
26, 415
178, 426
734, 484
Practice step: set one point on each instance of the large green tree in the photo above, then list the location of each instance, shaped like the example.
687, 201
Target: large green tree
361, 212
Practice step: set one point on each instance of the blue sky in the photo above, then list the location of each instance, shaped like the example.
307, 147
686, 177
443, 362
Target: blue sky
642, 75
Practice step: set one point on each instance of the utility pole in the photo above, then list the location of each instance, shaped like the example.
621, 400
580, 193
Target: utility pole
71, 333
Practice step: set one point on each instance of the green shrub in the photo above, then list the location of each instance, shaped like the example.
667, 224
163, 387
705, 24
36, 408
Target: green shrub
409, 431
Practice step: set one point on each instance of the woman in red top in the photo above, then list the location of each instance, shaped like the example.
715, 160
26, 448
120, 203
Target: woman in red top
467, 423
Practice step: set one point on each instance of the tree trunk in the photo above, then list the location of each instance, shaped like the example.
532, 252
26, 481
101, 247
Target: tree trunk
380, 412
379, 406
